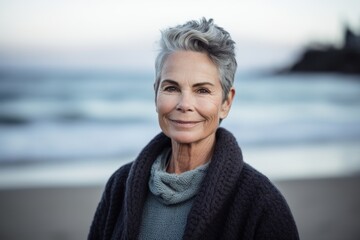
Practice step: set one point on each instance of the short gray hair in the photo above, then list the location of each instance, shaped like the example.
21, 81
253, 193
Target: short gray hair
200, 36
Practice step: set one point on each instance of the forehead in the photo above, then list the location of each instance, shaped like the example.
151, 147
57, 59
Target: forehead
189, 65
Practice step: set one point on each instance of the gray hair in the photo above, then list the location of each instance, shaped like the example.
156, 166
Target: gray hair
200, 36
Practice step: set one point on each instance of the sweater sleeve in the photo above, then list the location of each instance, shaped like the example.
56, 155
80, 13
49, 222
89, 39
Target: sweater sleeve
276, 220
107, 209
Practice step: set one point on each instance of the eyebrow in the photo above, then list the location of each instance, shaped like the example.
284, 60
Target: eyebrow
169, 81
202, 84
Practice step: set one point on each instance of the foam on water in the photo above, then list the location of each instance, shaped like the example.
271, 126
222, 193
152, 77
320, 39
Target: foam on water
53, 117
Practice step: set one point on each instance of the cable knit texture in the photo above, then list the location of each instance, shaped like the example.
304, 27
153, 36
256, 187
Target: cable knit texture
174, 188
234, 201
169, 200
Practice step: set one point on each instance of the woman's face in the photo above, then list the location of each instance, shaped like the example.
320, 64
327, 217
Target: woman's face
189, 100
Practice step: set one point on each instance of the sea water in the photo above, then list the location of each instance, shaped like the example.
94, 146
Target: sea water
285, 124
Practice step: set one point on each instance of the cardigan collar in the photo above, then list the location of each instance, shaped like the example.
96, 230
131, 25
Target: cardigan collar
217, 186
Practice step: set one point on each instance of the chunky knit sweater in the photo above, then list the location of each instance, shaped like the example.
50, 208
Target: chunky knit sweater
234, 201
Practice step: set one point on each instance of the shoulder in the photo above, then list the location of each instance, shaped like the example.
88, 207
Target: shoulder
115, 188
116, 183
122, 172
256, 190
110, 203
118, 177
257, 183
269, 207
260, 190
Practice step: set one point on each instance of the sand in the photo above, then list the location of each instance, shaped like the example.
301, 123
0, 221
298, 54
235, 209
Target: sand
324, 208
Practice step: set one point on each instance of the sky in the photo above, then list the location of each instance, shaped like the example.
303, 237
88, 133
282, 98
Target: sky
123, 34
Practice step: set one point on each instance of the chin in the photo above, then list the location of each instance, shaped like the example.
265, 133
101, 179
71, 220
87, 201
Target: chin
182, 137
183, 140
186, 137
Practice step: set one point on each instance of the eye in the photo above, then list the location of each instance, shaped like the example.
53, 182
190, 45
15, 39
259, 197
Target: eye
203, 91
170, 89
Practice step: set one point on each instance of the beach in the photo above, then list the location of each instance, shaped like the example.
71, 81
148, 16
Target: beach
63, 135
323, 208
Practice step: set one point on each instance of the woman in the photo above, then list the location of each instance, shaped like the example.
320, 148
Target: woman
190, 181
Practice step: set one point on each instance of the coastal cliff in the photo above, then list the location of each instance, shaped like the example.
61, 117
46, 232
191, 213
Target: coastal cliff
328, 58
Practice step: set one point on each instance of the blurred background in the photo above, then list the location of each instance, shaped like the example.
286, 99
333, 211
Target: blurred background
77, 102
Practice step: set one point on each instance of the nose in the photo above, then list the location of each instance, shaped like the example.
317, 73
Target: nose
185, 102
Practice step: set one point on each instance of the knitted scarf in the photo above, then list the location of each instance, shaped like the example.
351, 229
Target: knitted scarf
171, 188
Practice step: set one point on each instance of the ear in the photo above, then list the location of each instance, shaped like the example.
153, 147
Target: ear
226, 105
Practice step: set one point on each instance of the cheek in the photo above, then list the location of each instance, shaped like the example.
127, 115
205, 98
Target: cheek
164, 104
209, 108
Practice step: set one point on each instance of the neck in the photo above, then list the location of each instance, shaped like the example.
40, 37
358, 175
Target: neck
186, 157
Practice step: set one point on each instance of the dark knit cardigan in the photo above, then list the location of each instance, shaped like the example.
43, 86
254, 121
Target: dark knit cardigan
234, 201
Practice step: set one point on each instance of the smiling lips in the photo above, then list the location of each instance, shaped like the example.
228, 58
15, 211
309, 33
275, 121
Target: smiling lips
185, 123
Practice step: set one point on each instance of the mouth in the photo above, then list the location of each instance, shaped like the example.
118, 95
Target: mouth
184, 123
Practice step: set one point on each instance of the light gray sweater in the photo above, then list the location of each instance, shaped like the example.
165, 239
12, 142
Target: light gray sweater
169, 200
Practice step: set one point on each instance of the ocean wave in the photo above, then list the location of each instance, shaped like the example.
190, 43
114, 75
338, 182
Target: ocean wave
62, 117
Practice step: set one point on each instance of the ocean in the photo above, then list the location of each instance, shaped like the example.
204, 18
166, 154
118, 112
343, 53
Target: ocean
62, 116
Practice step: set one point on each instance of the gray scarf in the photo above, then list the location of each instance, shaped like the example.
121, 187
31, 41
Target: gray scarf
172, 188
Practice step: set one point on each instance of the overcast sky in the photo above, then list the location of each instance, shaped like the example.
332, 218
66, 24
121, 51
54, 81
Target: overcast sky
123, 34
